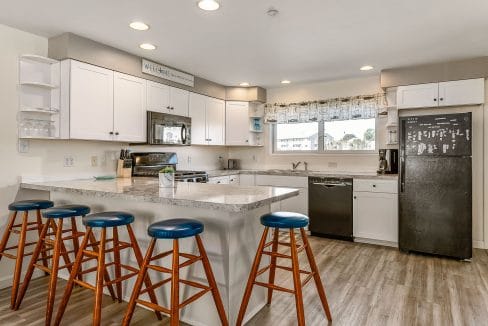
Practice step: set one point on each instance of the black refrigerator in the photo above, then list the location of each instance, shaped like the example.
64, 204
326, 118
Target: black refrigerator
435, 193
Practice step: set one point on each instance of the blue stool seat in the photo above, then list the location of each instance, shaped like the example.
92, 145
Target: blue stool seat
108, 219
28, 205
284, 220
66, 211
175, 228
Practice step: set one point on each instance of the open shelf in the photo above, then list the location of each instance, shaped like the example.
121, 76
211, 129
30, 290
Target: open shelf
37, 58
39, 84
39, 110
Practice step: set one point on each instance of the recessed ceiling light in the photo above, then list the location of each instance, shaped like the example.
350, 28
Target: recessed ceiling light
366, 68
140, 26
244, 84
208, 5
147, 46
285, 81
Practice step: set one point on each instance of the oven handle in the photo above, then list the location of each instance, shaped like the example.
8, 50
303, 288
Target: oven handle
330, 185
183, 133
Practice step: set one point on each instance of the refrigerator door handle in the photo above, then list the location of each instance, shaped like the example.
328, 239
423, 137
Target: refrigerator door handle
402, 174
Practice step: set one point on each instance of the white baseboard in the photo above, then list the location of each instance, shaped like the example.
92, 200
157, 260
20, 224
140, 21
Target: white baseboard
479, 244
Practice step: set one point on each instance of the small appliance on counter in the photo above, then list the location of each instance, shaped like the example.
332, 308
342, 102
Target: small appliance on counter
168, 129
148, 164
124, 164
388, 161
232, 164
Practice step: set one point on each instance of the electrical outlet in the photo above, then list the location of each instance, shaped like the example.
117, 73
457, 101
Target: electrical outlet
94, 160
69, 161
23, 146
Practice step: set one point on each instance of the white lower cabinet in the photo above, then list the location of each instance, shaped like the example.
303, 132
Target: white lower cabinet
375, 213
298, 204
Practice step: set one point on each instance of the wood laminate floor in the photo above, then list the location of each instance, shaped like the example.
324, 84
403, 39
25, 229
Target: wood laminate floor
365, 285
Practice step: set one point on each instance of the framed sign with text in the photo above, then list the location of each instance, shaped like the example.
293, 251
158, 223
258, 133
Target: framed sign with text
158, 70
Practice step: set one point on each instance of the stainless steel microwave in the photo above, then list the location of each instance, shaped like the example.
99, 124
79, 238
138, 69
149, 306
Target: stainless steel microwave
168, 129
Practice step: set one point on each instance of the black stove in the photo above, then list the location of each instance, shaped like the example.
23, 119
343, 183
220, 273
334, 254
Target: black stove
148, 164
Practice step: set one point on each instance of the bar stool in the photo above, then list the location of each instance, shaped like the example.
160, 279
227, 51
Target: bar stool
24, 206
46, 244
103, 221
175, 229
291, 221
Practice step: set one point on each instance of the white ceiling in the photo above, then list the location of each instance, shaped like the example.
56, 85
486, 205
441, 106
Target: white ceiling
309, 40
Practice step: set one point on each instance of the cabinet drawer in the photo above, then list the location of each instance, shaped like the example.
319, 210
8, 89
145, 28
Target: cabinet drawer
281, 181
370, 185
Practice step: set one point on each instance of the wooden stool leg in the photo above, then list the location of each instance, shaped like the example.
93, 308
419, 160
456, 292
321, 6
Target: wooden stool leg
30, 270
54, 272
175, 285
316, 274
212, 282
252, 277
106, 276
97, 311
118, 269
272, 268
296, 280
39, 228
62, 247
138, 285
74, 272
6, 234
139, 259
19, 259
76, 243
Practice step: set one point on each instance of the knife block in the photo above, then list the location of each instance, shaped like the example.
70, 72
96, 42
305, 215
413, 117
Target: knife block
124, 168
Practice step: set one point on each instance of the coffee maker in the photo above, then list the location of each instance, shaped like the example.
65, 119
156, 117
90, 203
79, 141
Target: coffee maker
388, 161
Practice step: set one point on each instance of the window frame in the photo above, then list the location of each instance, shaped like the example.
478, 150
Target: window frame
320, 150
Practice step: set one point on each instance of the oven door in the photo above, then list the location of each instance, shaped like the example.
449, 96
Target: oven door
168, 129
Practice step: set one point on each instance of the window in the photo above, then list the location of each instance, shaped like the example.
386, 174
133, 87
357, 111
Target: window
336, 136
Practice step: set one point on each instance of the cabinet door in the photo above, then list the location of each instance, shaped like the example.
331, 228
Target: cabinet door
157, 97
178, 101
215, 116
129, 108
462, 92
91, 102
237, 123
376, 216
417, 96
198, 123
297, 204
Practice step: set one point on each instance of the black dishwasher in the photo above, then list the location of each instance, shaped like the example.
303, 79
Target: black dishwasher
330, 207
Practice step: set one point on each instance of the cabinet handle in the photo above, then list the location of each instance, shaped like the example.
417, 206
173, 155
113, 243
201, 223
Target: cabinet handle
111, 133
247, 140
441, 99
116, 133
435, 100
168, 107
172, 108
355, 197
374, 186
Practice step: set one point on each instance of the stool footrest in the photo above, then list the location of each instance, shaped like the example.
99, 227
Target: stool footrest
84, 284
194, 297
153, 306
160, 269
156, 285
276, 254
122, 278
162, 255
274, 287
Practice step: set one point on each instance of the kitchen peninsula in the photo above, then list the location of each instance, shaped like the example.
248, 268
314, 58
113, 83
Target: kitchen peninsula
230, 214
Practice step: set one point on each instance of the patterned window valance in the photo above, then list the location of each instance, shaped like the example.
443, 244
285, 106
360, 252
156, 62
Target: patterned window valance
347, 108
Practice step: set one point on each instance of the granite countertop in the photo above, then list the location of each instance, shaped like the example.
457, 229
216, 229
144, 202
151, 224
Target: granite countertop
302, 173
233, 198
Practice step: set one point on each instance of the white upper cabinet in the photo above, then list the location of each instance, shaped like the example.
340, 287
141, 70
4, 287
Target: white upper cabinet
417, 96
207, 120
460, 92
215, 117
167, 99
237, 123
157, 97
129, 108
178, 101
198, 123
90, 97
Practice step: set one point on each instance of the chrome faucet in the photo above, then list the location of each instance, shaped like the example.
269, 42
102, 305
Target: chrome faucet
295, 165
